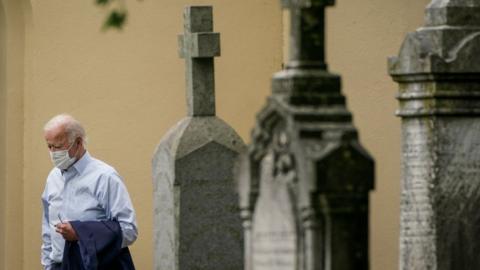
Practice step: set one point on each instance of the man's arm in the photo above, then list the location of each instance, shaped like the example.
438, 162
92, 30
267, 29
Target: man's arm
46, 242
119, 207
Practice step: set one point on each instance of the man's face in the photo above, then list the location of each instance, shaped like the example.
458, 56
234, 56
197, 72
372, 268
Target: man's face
57, 140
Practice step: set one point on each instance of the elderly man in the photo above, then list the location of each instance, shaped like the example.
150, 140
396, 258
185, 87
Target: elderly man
84, 203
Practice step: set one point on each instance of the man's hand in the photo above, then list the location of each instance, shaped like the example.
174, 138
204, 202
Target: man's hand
66, 230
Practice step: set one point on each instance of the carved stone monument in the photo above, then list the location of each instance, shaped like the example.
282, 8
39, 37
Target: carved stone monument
304, 182
196, 219
438, 70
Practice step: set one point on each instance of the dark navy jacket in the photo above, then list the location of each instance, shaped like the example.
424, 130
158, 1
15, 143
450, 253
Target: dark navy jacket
99, 247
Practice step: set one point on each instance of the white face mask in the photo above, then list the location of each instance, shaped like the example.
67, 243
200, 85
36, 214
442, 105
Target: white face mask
61, 159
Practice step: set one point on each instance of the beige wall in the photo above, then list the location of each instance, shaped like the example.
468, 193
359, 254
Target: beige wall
128, 89
13, 23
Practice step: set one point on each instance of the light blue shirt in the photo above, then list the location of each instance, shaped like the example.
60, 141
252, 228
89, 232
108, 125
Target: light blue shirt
89, 190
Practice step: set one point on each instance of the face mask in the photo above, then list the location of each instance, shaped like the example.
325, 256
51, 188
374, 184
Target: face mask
61, 159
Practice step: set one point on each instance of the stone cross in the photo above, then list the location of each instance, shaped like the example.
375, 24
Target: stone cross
305, 180
199, 45
196, 219
307, 32
438, 71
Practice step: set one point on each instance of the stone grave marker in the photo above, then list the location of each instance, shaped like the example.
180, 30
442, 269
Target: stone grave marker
305, 180
438, 71
196, 220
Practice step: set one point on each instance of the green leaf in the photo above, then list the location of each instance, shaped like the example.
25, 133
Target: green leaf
116, 19
102, 2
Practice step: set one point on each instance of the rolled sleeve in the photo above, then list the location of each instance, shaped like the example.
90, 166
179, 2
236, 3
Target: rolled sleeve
119, 207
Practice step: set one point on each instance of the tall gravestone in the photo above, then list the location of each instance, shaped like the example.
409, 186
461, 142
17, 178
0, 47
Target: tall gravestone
304, 182
196, 221
438, 71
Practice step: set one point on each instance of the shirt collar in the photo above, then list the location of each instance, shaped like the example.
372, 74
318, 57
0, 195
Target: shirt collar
81, 164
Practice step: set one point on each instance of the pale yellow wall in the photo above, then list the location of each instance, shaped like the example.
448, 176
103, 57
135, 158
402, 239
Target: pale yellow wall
13, 22
3, 184
128, 89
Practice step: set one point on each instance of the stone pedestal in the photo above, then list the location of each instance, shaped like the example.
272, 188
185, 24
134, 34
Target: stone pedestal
196, 220
438, 71
305, 180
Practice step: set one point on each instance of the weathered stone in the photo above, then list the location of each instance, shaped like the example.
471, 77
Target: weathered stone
196, 221
453, 13
438, 70
198, 45
305, 179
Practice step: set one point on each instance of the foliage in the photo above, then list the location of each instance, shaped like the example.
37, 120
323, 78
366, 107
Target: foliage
117, 13
116, 19
102, 2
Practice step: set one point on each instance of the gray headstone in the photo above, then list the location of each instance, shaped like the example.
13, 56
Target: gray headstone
438, 70
305, 180
196, 220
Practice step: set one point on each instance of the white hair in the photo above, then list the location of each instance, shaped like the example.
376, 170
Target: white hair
73, 128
